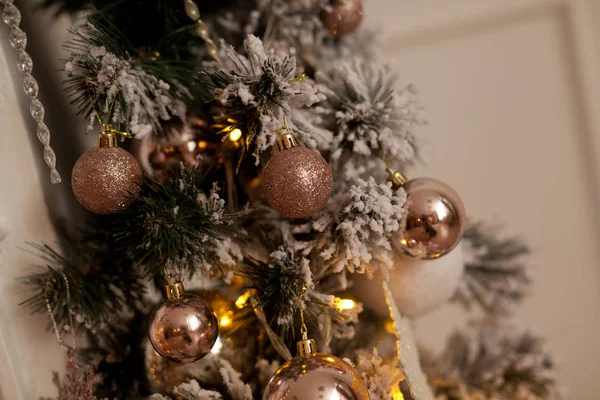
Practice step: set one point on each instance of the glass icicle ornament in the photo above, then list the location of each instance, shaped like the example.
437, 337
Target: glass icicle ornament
106, 179
315, 376
183, 328
297, 182
18, 40
436, 217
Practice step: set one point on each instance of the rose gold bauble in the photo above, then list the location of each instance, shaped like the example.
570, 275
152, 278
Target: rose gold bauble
435, 222
316, 377
297, 182
161, 155
106, 179
342, 17
233, 345
183, 330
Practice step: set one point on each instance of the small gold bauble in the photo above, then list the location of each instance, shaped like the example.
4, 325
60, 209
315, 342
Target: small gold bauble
435, 221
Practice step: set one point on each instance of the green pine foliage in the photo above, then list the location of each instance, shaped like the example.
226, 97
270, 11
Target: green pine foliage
102, 285
173, 224
119, 357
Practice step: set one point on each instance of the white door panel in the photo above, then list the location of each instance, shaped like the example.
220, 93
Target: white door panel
510, 92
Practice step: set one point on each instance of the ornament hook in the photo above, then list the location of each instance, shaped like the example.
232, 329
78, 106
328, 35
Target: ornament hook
174, 291
106, 137
305, 347
397, 178
285, 138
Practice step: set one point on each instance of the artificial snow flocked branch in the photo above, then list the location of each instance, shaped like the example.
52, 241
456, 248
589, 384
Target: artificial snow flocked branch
496, 275
368, 115
263, 88
103, 84
355, 230
380, 376
493, 359
283, 284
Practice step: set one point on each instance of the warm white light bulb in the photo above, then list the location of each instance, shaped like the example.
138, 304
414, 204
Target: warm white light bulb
235, 135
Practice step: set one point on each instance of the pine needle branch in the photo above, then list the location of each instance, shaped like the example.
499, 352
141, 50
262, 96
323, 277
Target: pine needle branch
101, 285
175, 228
279, 285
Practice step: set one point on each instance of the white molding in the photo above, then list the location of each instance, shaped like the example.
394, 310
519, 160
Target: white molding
584, 46
458, 18
470, 16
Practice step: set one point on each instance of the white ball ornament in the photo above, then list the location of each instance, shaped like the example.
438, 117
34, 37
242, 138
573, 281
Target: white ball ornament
418, 286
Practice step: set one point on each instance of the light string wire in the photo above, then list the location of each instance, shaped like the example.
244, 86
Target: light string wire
53, 319
303, 329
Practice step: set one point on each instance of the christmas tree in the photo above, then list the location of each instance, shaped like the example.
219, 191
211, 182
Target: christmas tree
252, 233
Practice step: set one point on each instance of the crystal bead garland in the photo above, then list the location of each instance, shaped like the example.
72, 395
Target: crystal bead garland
18, 40
200, 28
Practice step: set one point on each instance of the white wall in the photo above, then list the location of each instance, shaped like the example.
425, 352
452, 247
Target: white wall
24, 217
510, 90
28, 352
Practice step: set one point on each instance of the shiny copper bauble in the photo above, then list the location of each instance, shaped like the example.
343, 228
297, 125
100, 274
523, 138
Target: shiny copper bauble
164, 154
106, 179
183, 330
342, 17
316, 377
297, 182
435, 222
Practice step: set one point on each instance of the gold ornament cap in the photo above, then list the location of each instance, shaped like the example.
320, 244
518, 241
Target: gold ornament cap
286, 139
107, 137
397, 178
306, 347
174, 291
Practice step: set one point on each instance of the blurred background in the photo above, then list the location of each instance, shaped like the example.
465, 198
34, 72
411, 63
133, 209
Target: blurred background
511, 89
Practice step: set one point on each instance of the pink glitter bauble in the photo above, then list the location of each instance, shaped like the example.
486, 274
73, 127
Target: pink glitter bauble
297, 182
106, 180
